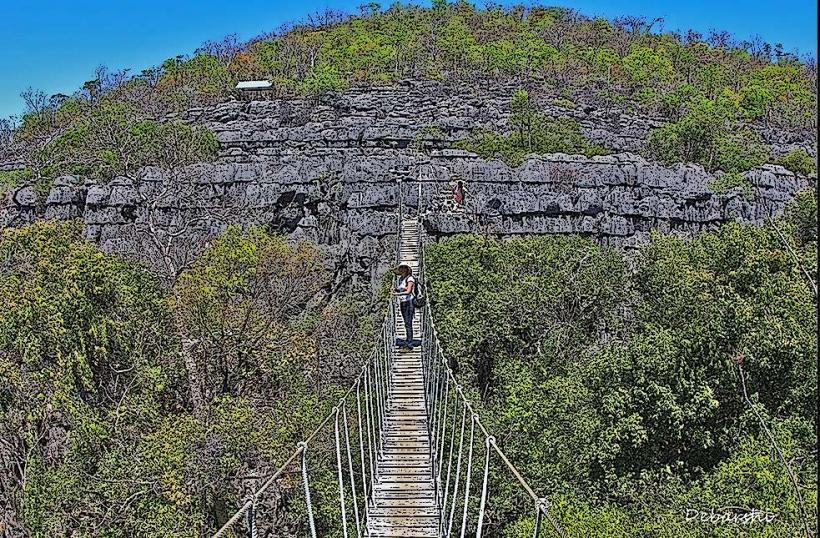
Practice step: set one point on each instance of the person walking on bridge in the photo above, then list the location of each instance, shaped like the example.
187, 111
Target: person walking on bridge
403, 290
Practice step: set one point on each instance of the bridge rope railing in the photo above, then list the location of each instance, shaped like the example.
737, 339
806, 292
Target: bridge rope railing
451, 413
448, 411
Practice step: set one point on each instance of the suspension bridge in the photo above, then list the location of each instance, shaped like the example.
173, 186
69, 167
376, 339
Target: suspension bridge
412, 457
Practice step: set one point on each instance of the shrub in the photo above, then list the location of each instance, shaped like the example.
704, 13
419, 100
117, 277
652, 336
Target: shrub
802, 214
707, 134
798, 161
200, 80
740, 150
728, 181
675, 103
532, 132
322, 79
647, 67
230, 290
9, 179
114, 138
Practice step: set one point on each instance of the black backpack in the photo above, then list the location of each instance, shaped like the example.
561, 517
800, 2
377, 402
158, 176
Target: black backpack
419, 297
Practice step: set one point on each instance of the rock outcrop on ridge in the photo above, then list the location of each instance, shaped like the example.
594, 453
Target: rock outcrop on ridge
335, 170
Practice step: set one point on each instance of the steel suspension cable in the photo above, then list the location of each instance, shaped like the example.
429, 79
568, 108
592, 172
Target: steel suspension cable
440, 437
431, 417
483, 505
250, 503
350, 468
537, 530
251, 518
434, 423
361, 452
473, 420
306, 484
458, 463
340, 473
443, 432
374, 464
377, 391
450, 452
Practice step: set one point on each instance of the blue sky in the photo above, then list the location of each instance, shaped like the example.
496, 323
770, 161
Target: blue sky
55, 45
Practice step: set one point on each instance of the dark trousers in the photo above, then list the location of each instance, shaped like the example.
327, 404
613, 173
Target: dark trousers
407, 313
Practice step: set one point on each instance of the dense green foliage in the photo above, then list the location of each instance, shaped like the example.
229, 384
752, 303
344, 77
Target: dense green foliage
107, 139
707, 133
614, 384
728, 181
798, 161
621, 59
531, 132
99, 433
82, 359
803, 216
11, 178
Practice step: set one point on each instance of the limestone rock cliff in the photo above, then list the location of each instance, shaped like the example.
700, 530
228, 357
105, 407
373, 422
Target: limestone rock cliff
334, 170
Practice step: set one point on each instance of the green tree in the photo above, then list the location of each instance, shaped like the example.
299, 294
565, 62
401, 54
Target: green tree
98, 434
708, 133
200, 80
523, 115
798, 161
115, 139
783, 95
533, 132
83, 344
322, 79
648, 68
622, 386
457, 44
802, 216
241, 303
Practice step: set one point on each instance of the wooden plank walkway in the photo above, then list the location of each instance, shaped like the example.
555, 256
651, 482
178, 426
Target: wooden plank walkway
405, 496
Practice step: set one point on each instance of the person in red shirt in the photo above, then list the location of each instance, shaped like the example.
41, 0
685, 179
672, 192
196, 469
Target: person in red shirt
459, 194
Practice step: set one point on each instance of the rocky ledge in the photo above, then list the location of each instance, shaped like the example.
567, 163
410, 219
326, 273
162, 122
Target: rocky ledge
336, 170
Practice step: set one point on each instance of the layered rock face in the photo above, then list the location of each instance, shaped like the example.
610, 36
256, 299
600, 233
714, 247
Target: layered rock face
336, 169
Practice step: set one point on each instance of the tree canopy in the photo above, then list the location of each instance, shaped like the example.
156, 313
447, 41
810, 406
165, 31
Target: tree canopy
615, 383
99, 433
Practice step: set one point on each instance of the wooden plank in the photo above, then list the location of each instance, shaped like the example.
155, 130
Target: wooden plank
404, 494
405, 512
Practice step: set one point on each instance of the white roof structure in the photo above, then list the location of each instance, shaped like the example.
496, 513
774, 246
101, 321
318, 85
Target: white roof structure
250, 85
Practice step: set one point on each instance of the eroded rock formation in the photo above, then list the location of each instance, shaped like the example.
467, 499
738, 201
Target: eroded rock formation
332, 170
